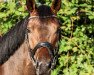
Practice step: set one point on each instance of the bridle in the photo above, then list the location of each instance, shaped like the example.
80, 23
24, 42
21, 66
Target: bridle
52, 52
42, 16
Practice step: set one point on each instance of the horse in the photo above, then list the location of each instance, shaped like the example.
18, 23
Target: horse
31, 46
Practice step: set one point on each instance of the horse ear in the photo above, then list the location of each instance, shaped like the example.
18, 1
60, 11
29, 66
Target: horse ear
56, 5
30, 5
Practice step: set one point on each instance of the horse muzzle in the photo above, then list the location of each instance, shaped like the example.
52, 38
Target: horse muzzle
40, 66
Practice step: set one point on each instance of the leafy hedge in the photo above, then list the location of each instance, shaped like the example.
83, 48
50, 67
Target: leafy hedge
10, 13
76, 53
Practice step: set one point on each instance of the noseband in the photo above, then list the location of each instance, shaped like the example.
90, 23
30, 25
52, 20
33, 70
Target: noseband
52, 52
42, 44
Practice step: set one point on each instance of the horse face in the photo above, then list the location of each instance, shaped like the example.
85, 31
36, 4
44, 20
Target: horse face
42, 27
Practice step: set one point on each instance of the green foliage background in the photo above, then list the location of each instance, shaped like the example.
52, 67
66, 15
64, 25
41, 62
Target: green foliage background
76, 53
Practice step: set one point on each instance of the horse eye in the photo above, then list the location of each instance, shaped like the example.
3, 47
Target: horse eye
28, 31
58, 31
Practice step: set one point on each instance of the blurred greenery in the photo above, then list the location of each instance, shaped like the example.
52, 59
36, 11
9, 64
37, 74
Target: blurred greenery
76, 53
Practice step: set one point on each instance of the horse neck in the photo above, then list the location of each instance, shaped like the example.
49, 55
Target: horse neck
20, 60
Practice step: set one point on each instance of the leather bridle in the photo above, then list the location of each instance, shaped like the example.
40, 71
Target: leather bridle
52, 52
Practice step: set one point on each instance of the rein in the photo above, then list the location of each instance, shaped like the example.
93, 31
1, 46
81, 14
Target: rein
52, 52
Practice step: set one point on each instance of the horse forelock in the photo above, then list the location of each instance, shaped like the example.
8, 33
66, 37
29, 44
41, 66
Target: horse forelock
44, 10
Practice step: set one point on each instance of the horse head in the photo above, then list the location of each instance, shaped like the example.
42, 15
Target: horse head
43, 34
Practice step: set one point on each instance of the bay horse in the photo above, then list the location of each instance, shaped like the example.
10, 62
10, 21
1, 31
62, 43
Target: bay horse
30, 47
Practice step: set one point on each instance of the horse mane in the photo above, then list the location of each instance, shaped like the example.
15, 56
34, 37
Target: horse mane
11, 41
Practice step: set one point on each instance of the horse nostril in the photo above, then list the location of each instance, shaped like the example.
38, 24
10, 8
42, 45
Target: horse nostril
43, 64
43, 67
49, 65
